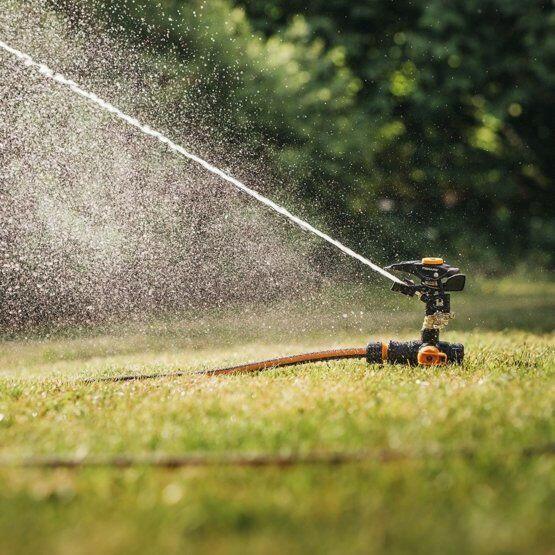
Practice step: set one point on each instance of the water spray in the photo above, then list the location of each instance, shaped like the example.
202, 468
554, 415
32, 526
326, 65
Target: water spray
437, 279
147, 130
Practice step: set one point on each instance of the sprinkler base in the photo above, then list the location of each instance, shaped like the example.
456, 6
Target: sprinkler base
415, 352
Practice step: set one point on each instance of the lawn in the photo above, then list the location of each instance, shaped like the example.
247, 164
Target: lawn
330, 458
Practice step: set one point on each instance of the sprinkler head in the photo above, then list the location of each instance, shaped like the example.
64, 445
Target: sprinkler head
437, 279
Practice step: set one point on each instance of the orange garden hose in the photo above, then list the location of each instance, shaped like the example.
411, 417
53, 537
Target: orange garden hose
334, 354
320, 356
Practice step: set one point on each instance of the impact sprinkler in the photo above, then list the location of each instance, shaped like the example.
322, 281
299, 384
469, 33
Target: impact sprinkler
437, 280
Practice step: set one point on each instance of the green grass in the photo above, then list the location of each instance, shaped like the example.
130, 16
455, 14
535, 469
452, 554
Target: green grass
467, 482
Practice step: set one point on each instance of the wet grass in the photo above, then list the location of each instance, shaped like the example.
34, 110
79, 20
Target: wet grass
475, 471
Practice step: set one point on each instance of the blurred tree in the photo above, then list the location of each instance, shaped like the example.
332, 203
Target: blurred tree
463, 93
422, 126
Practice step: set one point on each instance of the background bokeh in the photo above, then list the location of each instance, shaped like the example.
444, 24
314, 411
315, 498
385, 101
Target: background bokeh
419, 118
402, 128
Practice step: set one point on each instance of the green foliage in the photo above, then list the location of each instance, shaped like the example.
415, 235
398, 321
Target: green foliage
422, 126
464, 91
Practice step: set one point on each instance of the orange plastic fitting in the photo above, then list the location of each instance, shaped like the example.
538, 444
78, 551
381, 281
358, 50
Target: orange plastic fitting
430, 355
432, 261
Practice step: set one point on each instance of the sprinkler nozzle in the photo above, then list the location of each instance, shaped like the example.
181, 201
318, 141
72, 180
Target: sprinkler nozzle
437, 279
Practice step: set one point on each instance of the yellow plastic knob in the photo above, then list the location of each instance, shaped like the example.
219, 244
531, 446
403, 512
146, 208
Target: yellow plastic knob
431, 261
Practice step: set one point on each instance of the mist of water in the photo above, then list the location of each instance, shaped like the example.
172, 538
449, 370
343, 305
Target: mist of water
147, 130
98, 221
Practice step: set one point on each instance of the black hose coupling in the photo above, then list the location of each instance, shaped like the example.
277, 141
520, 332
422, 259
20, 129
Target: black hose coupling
415, 352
